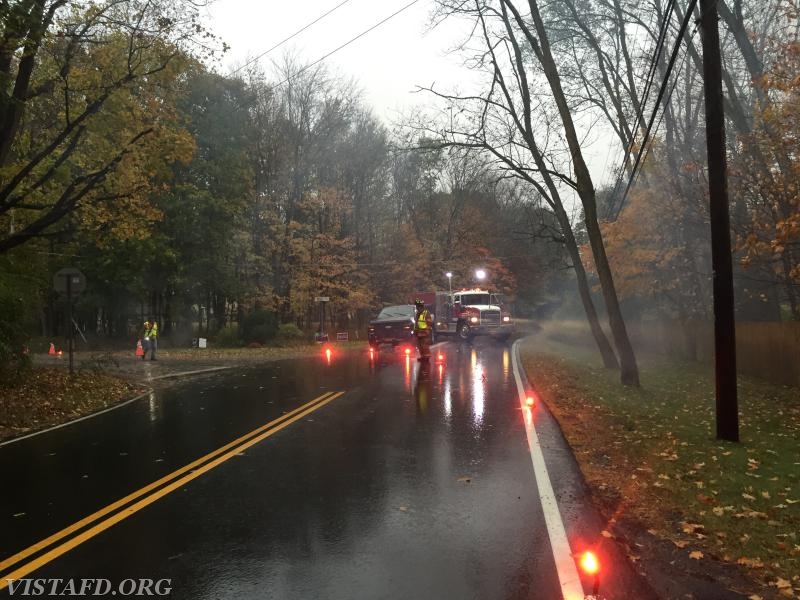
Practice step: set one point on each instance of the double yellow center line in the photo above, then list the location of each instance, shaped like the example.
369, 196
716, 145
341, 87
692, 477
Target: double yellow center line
136, 501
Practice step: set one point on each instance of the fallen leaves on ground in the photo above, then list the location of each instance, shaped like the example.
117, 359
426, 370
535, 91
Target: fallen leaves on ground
650, 454
49, 396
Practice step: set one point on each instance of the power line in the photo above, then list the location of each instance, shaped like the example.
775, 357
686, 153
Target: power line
648, 79
347, 43
651, 73
662, 89
282, 42
660, 119
657, 47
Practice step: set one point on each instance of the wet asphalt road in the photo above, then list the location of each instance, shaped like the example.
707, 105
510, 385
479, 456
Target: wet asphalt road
409, 484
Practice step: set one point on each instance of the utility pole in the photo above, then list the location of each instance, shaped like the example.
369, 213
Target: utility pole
721, 258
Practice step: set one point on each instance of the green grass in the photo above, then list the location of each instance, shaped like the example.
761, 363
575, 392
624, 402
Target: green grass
740, 502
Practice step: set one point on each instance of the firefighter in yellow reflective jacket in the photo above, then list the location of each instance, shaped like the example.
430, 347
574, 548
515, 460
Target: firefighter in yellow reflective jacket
423, 329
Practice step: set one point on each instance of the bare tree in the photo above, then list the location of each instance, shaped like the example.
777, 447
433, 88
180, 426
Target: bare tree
525, 121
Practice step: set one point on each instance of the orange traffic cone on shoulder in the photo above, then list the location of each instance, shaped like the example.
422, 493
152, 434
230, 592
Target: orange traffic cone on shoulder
52, 351
139, 349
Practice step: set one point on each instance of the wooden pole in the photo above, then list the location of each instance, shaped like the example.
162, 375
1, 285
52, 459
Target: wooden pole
721, 258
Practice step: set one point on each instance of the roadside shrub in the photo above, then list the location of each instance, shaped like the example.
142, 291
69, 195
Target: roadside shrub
259, 326
14, 359
23, 277
289, 333
228, 338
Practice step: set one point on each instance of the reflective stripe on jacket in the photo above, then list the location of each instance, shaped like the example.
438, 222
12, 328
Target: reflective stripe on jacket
422, 319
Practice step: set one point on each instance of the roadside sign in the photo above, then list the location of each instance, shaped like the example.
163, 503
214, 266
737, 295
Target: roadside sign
321, 336
342, 336
70, 282
69, 279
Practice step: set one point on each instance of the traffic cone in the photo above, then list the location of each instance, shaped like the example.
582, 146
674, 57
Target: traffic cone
52, 351
139, 349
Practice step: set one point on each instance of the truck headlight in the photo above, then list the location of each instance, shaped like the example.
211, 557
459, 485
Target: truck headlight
506, 319
473, 319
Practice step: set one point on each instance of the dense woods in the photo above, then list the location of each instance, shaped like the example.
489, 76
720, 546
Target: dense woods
225, 203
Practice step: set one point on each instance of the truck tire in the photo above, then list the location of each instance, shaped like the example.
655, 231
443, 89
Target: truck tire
464, 331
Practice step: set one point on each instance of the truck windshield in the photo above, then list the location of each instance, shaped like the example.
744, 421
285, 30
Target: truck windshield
397, 312
474, 299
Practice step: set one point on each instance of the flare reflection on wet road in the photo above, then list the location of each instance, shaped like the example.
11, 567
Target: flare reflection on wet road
415, 482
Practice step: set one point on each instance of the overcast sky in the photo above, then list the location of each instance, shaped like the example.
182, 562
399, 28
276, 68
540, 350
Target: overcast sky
388, 62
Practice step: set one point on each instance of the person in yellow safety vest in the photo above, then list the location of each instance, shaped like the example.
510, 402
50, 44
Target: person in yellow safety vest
145, 338
150, 340
424, 326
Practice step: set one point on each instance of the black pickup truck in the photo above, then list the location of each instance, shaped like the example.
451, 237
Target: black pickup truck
394, 325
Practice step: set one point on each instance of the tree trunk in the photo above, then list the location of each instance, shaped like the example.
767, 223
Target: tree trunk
167, 324
629, 371
208, 313
789, 283
199, 319
603, 345
240, 315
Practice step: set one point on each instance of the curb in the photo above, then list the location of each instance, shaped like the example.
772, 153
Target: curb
187, 373
110, 408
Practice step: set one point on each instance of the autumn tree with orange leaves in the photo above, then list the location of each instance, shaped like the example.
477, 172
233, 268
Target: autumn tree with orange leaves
766, 176
657, 253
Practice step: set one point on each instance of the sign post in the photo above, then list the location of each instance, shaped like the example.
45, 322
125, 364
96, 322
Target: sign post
321, 335
69, 281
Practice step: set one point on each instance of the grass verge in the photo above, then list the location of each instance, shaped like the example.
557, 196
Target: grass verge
651, 454
48, 396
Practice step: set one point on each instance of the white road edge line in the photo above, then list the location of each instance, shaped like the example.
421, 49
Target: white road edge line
571, 586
